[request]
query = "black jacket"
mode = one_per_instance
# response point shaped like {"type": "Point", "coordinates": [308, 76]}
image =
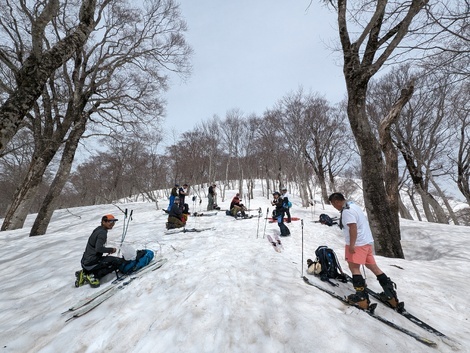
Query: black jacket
{"type": "Point", "coordinates": [95, 248]}
{"type": "Point", "coordinates": [176, 211]}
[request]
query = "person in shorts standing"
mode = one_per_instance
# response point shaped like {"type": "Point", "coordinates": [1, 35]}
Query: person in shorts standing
{"type": "Point", "coordinates": [358, 251]}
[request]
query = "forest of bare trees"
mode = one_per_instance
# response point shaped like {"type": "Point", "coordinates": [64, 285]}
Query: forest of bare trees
{"type": "Point", "coordinates": [100, 71]}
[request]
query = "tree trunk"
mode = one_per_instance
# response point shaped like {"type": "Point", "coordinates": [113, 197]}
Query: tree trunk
{"type": "Point", "coordinates": [38, 67]}
{"type": "Point", "coordinates": [382, 217]}
{"type": "Point", "coordinates": [404, 212]}
{"type": "Point", "coordinates": [27, 191]}
{"type": "Point", "coordinates": [415, 207]}
{"type": "Point", "coordinates": [49, 204]}
{"type": "Point", "coordinates": [320, 173]}
{"type": "Point", "coordinates": [391, 153]}
{"type": "Point", "coordinates": [446, 202]}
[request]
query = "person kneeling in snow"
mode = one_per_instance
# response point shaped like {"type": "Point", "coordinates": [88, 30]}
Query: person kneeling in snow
{"type": "Point", "coordinates": [236, 206]}
{"type": "Point", "coordinates": [94, 264]}
{"type": "Point", "coordinates": [176, 219]}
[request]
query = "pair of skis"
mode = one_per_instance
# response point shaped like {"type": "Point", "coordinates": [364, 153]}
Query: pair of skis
{"type": "Point", "coordinates": [89, 303]}
{"type": "Point", "coordinates": [275, 242]}
{"type": "Point", "coordinates": [371, 312]}
{"type": "Point", "coordinates": [187, 230]}
{"type": "Point", "coordinates": [400, 309]}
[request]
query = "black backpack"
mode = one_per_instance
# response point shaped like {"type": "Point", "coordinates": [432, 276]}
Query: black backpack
{"type": "Point", "coordinates": [330, 267]}
{"type": "Point", "coordinates": [325, 219]}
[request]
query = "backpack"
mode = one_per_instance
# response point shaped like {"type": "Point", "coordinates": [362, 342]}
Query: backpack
{"type": "Point", "coordinates": [325, 219]}
{"type": "Point", "coordinates": [143, 258]}
{"type": "Point", "coordinates": [327, 265]}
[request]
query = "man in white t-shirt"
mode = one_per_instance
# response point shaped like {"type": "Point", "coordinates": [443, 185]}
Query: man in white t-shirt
{"type": "Point", "coordinates": [358, 251]}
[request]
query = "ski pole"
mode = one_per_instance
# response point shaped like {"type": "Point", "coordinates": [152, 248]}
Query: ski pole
{"type": "Point", "coordinates": [123, 230]}
{"type": "Point", "coordinates": [124, 225]}
{"type": "Point", "coordinates": [302, 223]}
{"type": "Point", "coordinates": [127, 227]}
{"type": "Point", "coordinates": [259, 216]}
{"type": "Point", "coordinates": [265, 222]}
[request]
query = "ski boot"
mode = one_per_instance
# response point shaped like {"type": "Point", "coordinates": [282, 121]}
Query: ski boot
{"type": "Point", "coordinates": [389, 295]}
{"type": "Point", "coordinates": [80, 278]}
{"type": "Point", "coordinates": [92, 280]}
{"type": "Point", "coordinates": [360, 298]}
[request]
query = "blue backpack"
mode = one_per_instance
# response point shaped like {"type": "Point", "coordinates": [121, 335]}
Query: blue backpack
{"type": "Point", "coordinates": [142, 259]}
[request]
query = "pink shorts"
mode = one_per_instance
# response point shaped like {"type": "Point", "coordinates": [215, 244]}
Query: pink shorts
{"type": "Point", "coordinates": [362, 256]}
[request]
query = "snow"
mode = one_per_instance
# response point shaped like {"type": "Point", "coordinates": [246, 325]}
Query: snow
{"type": "Point", "coordinates": [225, 289]}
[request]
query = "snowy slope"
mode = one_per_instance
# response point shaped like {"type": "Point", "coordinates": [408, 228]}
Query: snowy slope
{"type": "Point", "coordinates": [224, 290]}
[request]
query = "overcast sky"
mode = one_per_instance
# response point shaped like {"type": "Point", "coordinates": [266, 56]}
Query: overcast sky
{"type": "Point", "coordinates": [250, 53]}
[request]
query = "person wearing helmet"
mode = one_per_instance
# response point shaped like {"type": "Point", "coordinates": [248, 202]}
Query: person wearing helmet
{"type": "Point", "coordinates": [94, 264]}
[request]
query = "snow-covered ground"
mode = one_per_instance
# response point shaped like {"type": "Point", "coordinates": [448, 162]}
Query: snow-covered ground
{"type": "Point", "coordinates": [225, 289]}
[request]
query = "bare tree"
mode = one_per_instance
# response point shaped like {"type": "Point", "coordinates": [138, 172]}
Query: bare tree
{"type": "Point", "coordinates": [31, 61]}
{"type": "Point", "coordinates": [461, 110]}
{"type": "Point", "coordinates": [115, 82]}
{"type": "Point", "coordinates": [381, 26]}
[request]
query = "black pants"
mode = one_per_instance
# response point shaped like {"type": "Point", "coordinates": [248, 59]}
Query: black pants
{"type": "Point", "coordinates": [107, 264]}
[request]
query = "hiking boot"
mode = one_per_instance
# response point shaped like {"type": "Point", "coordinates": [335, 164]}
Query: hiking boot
{"type": "Point", "coordinates": [94, 282]}
{"type": "Point", "coordinates": [80, 278]}
{"type": "Point", "coordinates": [360, 298]}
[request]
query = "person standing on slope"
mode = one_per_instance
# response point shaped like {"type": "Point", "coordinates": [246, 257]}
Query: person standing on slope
{"type": "Point", "coordinates": [285, 196]}
{"type": "Point", "coordinates": [211, 197]}
{"type": "Point", "coordinates": [173, 194]}
{"type": "Point", "coordinates": [279, 213]}
{"type": "Point", "coordinates": [358, 251]}
{"type": "Point", "coordinates": [182, 192]}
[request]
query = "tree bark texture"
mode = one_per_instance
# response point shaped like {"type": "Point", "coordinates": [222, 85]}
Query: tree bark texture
{"type": "Point", "coordinates": [50, 201]}
{"type": "Point", "coordinates": [362, 59]}
{"type": "Point", "coordinates": [37, 69]}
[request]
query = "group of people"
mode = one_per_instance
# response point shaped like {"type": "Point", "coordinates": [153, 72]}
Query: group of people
{"type": "Point", "coordinates": [353, 222]}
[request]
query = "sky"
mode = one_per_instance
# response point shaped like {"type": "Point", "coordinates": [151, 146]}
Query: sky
{"type": "Point", "coordinates": [225, 289]}
{"type": "Point", "coordinates": [250, 54]}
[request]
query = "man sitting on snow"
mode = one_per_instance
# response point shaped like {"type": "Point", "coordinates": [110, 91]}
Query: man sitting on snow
{"type": "Point", "coordinates": [236, 206]}
{"type": "Point", "coordinates": [94, 264]}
